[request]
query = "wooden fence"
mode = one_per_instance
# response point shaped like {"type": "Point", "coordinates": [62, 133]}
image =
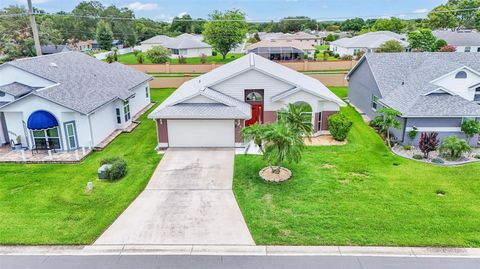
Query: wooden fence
{"type": "Point", "coordinates": [175, 82]}
{"type": "Point", "coordinates": [204, 68]}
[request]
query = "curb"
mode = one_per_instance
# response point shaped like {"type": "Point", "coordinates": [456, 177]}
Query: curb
{"type": "Point", "coordinates": [242, 250]}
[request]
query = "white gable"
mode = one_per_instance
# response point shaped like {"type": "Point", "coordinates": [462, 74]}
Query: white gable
{"type": "Point", "coordinates": [460, 86]}
{"type": "Point", "coordinates": [10, 74]}
{"type": "Point", "coordinates": [199, 99]}
{"type": "Point", "coordinates": [253, 80]}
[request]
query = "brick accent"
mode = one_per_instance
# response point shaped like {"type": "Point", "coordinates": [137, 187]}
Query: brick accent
{"type": "Point", "coordinates": [325, 115]}
{"type": "Point", "coordinates": [238, 131]}
{"type": "Point", "coordinates": [162, 131]}
{"type": "Point", "coordinates": [269, 116]}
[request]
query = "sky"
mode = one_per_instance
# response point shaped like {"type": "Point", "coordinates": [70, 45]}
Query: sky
{"type": "Point", "coordinates": [256, 10]}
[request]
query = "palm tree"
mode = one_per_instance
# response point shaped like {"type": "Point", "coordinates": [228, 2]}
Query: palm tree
{"type": "Point", "coordinates": [387, 119]}
{"type": "Point", "coordinates": [255, 132]}
{"type": "Point", "coordinates": [282, 144]}
{"type": "Point", "coordinates": [296, 119]}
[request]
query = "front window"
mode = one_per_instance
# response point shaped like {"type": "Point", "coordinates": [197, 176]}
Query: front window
{"type": "Point", "coordinates": [477, 95]}
{"type": "Point", "coordinates": [47, 138]}
{"type": "Point", "coordinates": [467, 49]}
{"type": "Point", "coordinates": [119, 117]}
{"type": "Point", "coordinates": [146, 92]}
{"type": "Point", "coordinates": [126, 110]}
{"type": "Point", "coordinates": [319, 124]}
{"type": "Point", "coordinates": [461, 75]}
{"type": "Point", "coordinates": [374, 102]}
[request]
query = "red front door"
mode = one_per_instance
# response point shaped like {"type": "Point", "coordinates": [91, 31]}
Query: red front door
{"type": "Point", "coordinates": [257, 115]}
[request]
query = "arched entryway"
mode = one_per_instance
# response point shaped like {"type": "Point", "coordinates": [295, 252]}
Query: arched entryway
{"type": "Point", "coordinates": [45, 130]}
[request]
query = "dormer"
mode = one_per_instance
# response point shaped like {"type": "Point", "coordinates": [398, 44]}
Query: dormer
{"type": "Point", "coordinates": [460, 82]}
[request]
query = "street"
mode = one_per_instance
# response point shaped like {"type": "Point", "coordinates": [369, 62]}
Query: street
{"type": "Point", "coordinates": [213, 262]}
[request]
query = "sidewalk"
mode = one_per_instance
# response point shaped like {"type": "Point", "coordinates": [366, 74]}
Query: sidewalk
{"type": "Point", "coordinates": [242, 250]}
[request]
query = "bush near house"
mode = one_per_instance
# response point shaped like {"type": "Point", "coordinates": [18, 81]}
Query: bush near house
{"type": "Point", "coordinates": [158, 55]}
{"type": "Point", "coordinates": [428, 143]}
{"type": "Point", "coordinates": [452, 147]}
{"type": "Point", "coordinates": [339, 126]}
{"type": "Point", "coordinates": [118, 167]}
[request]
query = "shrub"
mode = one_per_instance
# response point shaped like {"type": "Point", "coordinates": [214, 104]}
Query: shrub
{"type": "Point", "coordinates": [118, 168]}
{"type": "Point", "coordinates": [140, 58]}
{"type": "Point", "coordinates": [417, 157]}
{"type": "Point", "coordinates": [470, 128]}
{"type": "Point", "coordinates": [428, 143]}
{"type": "Point", "coordinates": [412, 134]}
{"type": "Point", "coordinates": [135, 52]}
{"type": "Point", "coordinates": [203, 58]}
{"type": "Point", "coordinates": [339, 126]}
{"type": "Point", "coordinates": [109, 59]}
{"type": "Point", "coordinates": [406, 147]}
{"type": "Point", "coordinates": [347, 57]}
{"type": "Point", "coordinates": [336, 55]}
{"type": "Point", "coordinates": [214, 53]}
{"type": "Point", "coordinates": [182, 60]}
{"type": "Point", "coordinates": [452, 147]}
{"type": "Point", "coordinates": [359, 54]}
{"type": "Point", "coordinates": [477, 156]}
{"type": "Point", "coordinates": [158, 55]}
{"type": "Point", "coordinates": [448, 48]}
{"type": "Point", "coordinates": [438, 160]}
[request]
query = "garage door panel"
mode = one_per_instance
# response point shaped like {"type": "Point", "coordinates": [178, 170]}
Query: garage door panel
{"type": "Point", "coordinates": [201, 133]}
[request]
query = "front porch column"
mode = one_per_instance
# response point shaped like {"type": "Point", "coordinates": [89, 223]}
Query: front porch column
{"type": "Point", "coordinates": [239, 124]}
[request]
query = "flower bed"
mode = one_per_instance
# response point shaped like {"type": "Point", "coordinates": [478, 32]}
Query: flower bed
{"type": "Point", "coordinates": [435, 156]}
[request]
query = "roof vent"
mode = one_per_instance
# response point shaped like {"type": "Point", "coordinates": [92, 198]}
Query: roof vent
{"type": "Point", "coordinates": [403, 82]}
{"type": "Point", "coordinates": [53, 65]}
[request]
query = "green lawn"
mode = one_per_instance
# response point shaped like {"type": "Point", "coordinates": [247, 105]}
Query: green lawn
{"type": "Point", "coordinates": [48, 204]}
{"type": "Point", "coordinates": [130, 58]}
{"type": "Point", "coordinates": [361, 194]}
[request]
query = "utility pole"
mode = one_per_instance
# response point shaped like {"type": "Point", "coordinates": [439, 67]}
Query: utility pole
{"type": "Point", "coordinates": [33, 23]}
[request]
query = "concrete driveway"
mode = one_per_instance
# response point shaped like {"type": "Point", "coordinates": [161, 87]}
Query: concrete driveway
{"type": "Point", "coordinates": [188, 201]}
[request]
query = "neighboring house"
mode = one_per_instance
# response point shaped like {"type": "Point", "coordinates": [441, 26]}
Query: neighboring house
{"type": "Point", "coordinates": [369, 42]}
{"type": "Point", "coordinates": [51, 49]}
{"type": "Point", "coordinates": [311, 39]}
{"type": "Point", "coordinates": [434, 92]}
{"type": "Point", "coordinates": [282, 50]}
{"type": "Point", "coordinates": [115, 44]}
{"type": "Point", "coordinates": [82, 45]}
{"type": "Point", "coordinates": [68, 100]}
{"type": "Point", "coordinates": [185, 45]}
{"type": "Point", "coordinates": [463, 41]}
{"type": "Point", "coordinates": [211, 110]}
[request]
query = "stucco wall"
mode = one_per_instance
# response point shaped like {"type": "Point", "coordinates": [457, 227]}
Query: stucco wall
{"type": "Point", "coordinates": [104, 122]}
{"type": "Point", "coordinates": [141, 100]}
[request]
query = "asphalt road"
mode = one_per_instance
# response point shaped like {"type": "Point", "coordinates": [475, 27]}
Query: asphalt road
{"type": "Point", "coordinates": [248, 262]}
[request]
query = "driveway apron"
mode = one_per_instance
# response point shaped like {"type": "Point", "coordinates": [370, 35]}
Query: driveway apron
{"type": "Point", "coordinates": [188, 201]}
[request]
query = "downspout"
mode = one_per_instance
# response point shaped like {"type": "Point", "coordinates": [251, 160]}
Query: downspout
{"type": "Point", "coordinates": [404, 130]}
{"type": "Point", "coordinates": [91, 131]}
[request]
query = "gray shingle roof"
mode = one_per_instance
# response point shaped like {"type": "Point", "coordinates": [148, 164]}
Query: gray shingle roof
{"type": "Point", "coordinates": [183, 41]}
{"type": "Point", "coordinates": [83, 82]}
{"type": "Point", "coordinates": [16, 89]}
{"type": "Point", "coordinates": [370, 40]}
{"type": "Point", "coordinates": [49, 49]}
{"type": "Point", "coordinates": [404, 79]}
{"type": "Point", "coordinates": [459, 38]}
{"type": "Point", "coordinates": [200, 111]}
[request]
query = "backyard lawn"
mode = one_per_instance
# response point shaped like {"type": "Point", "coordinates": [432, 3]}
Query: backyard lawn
{"type": "Point", "coordinates": [361, 194]}
{"type": "Point", "coordinates": [130, 58]}
{"type": "Point", "coordinates": [48, 204]}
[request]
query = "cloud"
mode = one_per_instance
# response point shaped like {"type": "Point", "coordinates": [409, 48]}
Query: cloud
{"type": "Point", "coordinates": [181, 14]}
{"type": "Point", "coordinates": [137, 6]}
{"type": "Point", "coordinates": [420, 11]}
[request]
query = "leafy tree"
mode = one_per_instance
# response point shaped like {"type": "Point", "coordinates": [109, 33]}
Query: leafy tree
{"type": "Point", "coordinates": [225, 34]}
{"type": "Point", "coordinates": [84, 28]}
{"type": "Point", "coordinates": [353, 25]}
{"type": "Point", "coordinates": [183, 24]}
{"type": "Point", "coordinates": [452, 147]}
{"type": "Point", "coordinates": [339, 126]}
{"type": "Point", "coordinates": [422, 40]}
{"type": "Point", "coordinates": [467, 13]}
{"type": "Point", "coordinates": [333, 28]}
{"type": "Point", "coordinates": [331, 38]}
{"type": "Point", "coordinates": [15, 35]}
{"type": "Point", "coordinates": [387, 119]}
{"type": "Point", "coordinates": [393, 24]}
{"type": "Point", "coordinates": [428, 142]}
{"type": "Point", "coordinates": [281, 144]}
{"type": "Point", "coordinates": [104, 35]}
{"type": "Point", "coordinates": [158, 55]}
{"type": "Point", "coordinates": [295, 24]}
{"type": "Point", "coordinates": [391, 46]}
{"type": "Point", "coordinates": [470, 128]}
{"type": "Point", "coordinates": [447, 48]}
{"type": "Point", "coordinates": [439, 18]}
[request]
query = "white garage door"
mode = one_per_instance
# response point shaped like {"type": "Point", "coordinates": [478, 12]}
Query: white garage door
{"type": "Point", "coordinates": [201, 133]}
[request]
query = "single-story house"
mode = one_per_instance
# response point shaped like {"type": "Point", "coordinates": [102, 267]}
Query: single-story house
{"type": "Point", "coordinates": [211, 110]}
{"type": "Point", "coordinates": [115, 44]}
{"type": "Point", "coordinates": [435, 92]}
{"type": "Point", "coordinates": [185, 45]}
{"type": "Point", "coordinates": [311, 39]}
{"type": "Point", "coordinates": [282, 50]}
{"type": "Point", "coordinates": [369, 42]}
{"type": "Point", "coordinates": [462, 40]}
{"type": "Point", "coordinates": [68, 100]}
{"type": "Point", "coordinates": [50, 49]}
